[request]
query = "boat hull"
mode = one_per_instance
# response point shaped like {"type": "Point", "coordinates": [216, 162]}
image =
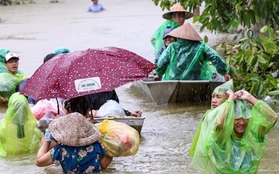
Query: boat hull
{"type": "Point", "coordinates": [176, 91]}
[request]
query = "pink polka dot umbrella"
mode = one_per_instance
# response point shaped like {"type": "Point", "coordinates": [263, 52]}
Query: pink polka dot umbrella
{"type": "Point", "coordinates": [85, 72]}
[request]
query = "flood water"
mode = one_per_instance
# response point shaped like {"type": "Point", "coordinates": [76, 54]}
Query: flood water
{"type": "Point", "coordinates": [34, 30]}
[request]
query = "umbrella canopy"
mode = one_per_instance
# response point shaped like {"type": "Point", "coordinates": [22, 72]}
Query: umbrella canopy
{"type": "Point", "coordinates": [85, 72]}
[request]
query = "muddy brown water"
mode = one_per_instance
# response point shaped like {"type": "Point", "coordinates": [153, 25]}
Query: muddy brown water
{"type": "Point", "coordinates": [34, 30]}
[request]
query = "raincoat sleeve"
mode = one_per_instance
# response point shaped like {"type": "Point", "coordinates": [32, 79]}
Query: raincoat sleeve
{"type": "Point", "coordinates": [196, 136]}
{"type": "Point", "coordinates": [216, 60]}
{"type": "Point", "coordinates": [221, 122]}
{"type": "Point", "coordinates": [157, 38]}
{"type": "Point", "coordinates": [264, 119]}
{"type": "Point", "coordinates": [165, 59]}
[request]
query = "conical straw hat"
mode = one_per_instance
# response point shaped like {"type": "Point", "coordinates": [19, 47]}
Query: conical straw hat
{"type": "Point", "coordinates": [177, 8]}
{"type": "Point", "coordinates": [185, 31]}
{"type": "Point", "coordinates": [74, 130]}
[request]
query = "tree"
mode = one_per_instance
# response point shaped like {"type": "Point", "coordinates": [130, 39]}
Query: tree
{"type": "Point", "coordinates": [230, 14]}
{"type": "Point", "coordinates": [253, 59]}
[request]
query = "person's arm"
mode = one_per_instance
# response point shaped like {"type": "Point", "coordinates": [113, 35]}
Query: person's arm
{"type": "Point", "coordinates": [261, 111]}
{"type": "Point", "coordinates": [225, 118]}
{"type": "Point", "coordinates": [3, 100]}
{"type": "Point", "coordinates": [103, 8]}
{"type": "Point", "coordinates": [222, 116]}
{"type": "Point", "coordinates": [136, 113]}
{"type": "Point", "coordinates": [244, 95]}
{"type": "Point", "coordinates": [164, 61]}
{"type": "Point", "coordinates": [105, 161]}
{"type": "Point", "coordinates": [89, 8]}
{"type": "Point", "coordinates": [127, 112]}
{"type": "Point", "coordinates": [216, 60]}
{"type": "Point", "coordinates": [43, 155]}
{"type": "Point", "coordinates": [31, 101]}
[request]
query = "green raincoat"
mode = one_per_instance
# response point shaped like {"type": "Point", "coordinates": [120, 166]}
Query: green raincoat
{"type": "Point", "coordinates": [187, 60]}
{"type": "Point", "coordinates": [220, 151]}
{"type": "Point", "coordinates": [157, 38]}
{"type": "Point", "coordinates": [8, 84]}
{"type": "Point", "coordinates": [3, 52]}
{"type": "Point", "coordinates": [18, 132]}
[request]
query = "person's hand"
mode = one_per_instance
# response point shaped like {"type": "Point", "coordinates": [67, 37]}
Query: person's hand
{"type": "Point", "coordinates": [231, 95]}
{"type": "Point", "coordinates": [156, 78]}
{"type": "Point", "coordinates": [227, 77]}
{"type": "Point", "coordinates": [3, 100]}
{"type": "Point", "coordinates": [48, 136]}
{"type": "Point", "coordinates": [244, 95]}
{"type": "Point", "coordinates": [136, 113]}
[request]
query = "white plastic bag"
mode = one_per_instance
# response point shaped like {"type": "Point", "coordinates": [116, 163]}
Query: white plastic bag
{"type": "Point", "coordinates": [111, 107]}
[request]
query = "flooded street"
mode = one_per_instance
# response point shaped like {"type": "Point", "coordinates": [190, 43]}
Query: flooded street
{"type": "Point", "coordinates": [35, 30]}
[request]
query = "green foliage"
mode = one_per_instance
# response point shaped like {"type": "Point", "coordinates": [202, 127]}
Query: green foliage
{"type": "Point", "coordinates": [253, 60]}
{"type": "Point", "coordinates": [220, 15]}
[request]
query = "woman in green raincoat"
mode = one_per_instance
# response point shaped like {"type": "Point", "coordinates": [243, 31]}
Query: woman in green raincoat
{"type": "Point", "coordinates": [233, 138]}
{"type": "Point", "coordinates": [187, 58]}
{"type": "Point", "coordinates": [175, 18]}
{"type": "Point", "coordinates": [18, 132]}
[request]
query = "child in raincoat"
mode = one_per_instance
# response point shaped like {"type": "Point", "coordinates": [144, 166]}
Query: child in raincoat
{"type": "Point", "coordinates": [18, 132]}
{"type": "Point", "coordinates": [233, 137]}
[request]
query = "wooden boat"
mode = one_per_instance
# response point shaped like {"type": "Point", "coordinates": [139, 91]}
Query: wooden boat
{"type": "Point", "coordinates": [134, 122]}
{"type": "Point", "coordinates": [176, 91]}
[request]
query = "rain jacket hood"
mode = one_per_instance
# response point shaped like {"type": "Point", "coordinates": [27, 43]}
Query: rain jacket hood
{"type": "Point", "coordinates": [18, 132]}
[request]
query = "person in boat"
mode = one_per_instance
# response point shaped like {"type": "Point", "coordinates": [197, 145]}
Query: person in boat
{"type": "Point", "coordinates": [167, 40]}
{"type": "Point", "coordinates": [233, 137]}
{"type": "Point", "coordinates": [187, 58]}
{"type": "Point", "coordinates": [76, 146]}
{"type": "Point", "coordinates": [174, 18]}
{"type": "Point", "coordinates": [219, 96]}
{"type": "Point", "coordinates": [18, 132]}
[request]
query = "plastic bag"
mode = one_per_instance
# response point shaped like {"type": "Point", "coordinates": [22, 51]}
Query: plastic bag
{"type": "Point", "coordinates": [43, 123]}
{"type": "Point", "coordinates": [111, 107]}
{"type": "Point", "coordinates": [41, 108]}
{"type": "Point", "coordinates": [8, 84]}
{"type": "Point", "coordinates": [119, 139]}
